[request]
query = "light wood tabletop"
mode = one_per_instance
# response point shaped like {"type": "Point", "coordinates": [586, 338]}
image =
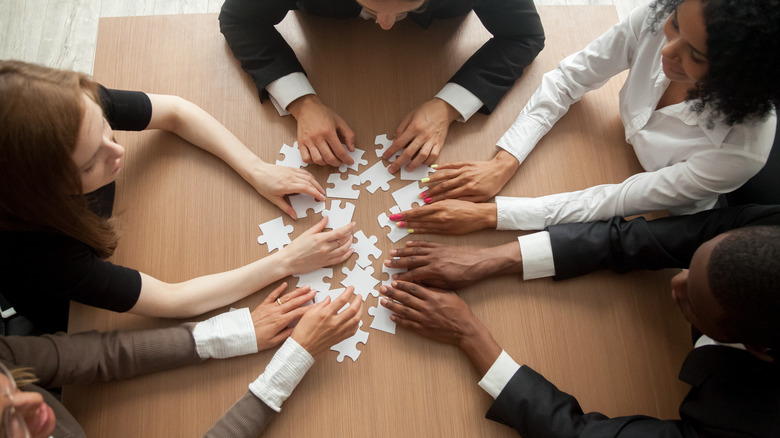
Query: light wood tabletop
{"type": "Point", "coordinates": [616, 342]}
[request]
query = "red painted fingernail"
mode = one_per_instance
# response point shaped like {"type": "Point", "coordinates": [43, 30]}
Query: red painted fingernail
{"type": "Point", "coordinates": [421, 195]}
{"type": "Point", "coordinates": [395, 217]}
{"type": "Point", "coordinates": [428, 200]}
{"type": "Point", "coordinates": [399, 224]}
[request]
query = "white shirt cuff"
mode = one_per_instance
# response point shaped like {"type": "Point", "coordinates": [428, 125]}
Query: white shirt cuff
{"type": "Point", "coordinates": [499, 374]}
{"type": "Point", "coordinates": [286, 89]}
{"type": "Point", "coordinates": [519, 213]}
{"type": "Point", "coordinates": [463, 100]}
{"type": "Point", "coordinates": [536, 250]}
{"type": "Point", "coordinates": [282, 375]}
{"type": "Point", "coordinates": [521, 138]}
{"type": "Point", "coordinates": [227, 335]}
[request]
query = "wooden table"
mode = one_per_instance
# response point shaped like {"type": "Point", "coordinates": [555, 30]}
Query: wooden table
{"type": "Point", "coordinates": [615, 342]}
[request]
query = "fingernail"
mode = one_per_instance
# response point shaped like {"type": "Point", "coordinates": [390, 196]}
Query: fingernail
{"type": "Point", "coordinates": [422, 195]}
{"type": "Point", "coordinates": [395, 217]}
{"type": "Point", "coordinates": [425, 180]}
{"type": "Point", "coordinates": [399, 224]}
{"type": "Point", "coordinates": [410, 231]}
{"type": "Point", "coordinates": [434, 166]}
{"type": "Point", "coordinates": [428, 200]}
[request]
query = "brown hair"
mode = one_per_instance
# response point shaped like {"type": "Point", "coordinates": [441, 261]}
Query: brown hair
{"type": "Point", "coordinates": [41, 110]}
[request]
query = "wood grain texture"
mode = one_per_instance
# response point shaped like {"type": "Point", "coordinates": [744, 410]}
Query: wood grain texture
{"type": "Point", "coordinates": [615, 342]}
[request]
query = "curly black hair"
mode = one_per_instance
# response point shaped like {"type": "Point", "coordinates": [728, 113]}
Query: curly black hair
{"type": "Point", "coordinates": [743, 51]}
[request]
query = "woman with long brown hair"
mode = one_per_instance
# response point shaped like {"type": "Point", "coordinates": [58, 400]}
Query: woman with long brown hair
{"type": "Point", "coordinates": [59, 160]}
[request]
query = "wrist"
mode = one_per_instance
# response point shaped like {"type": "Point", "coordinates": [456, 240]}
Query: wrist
{"type": "Point", "coordinates": [488, 213]}
{"type": "Point", "coordinates": [451, 113]}
{"type": "Point", "coordinates": [480, 347]}
{"type": "Point", "coordinates": [299, 105]}
{"type": "Point", "coordinates": [503, 260]}
{"type": "Point", "coordinates": [505, 162]}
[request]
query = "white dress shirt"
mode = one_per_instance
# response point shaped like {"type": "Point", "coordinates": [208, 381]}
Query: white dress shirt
{"type": "Point", "coordinates": [686, 164]}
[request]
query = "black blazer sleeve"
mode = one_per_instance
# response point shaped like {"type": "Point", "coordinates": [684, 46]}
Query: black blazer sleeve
{"type": "Point", "coordinates": [669, 242]}
{"type": "Point", "coordinates": [534, 407]}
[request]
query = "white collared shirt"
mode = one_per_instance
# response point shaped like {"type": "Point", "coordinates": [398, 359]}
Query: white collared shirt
{"type": "Point", "coordinates": [686, 164]}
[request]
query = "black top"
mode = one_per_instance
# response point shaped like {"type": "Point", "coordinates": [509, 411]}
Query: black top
{"type": "Point", "coordinates": [43, 270]}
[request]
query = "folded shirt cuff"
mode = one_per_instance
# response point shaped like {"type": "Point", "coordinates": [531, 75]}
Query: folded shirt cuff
{"type": "Point", "coordinates": [536, 250]}
{"type": "Point", "coordinates": [282, 375]}
{"type": "Point", "coordinates": [519, 213]}
{"type": "Point", "coordinates": [227, 335]}
{"type": "Point", "coordinates": [463, 100]}
{"type": "Point", "coordinates": [286, 89]}
{"type": "Point", "coordinates": [499, 374]}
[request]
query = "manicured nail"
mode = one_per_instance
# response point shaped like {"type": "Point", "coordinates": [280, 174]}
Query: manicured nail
{"type": "Point", "coordinates": [428, 200]}
{"type": "Point", "coordinates": [410, 231]}
{"type": "Point", "coordinates": [395, 217]}
{"type": "Point", "coordinates": [399, 224]}
{"type": "Point", "coordinates": [425, 180]}
{"type": "Point", "coordinates": [422, 195]}
{"type": "Point", "coordinates": [434, 166]}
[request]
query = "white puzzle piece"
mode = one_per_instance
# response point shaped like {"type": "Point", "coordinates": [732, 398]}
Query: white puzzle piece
{"type": "Point", "coordinates": [378, 176]}
{"type": "Point", "coordinates": [382, 319]}
{"type": "Point", "coordinates": [303, 202]}
{"type": "Point", "coordinates": [417, 174]}
{"type": "Point", "coordinates": [390, 272]}
{"type": "Point", "coordinates": [357, 158]}
{"type": "Point", "coordinates": [275, 234]}
{"type": "Point", "coordinates": [333, 294]}
{"type": "Point", "coordinates": [407, 196]}
{"type": "Point", "coordinates": [385, 143]}
{"type": "Point", "coordinates": [365, 247]}
{"type": "Point", "coordinates": [348, 347]}
{"type": "Point", "coordinates": [362, 280]}
{"type": "Point", "coordinates": [292, 157]}
{"type": "Point", "coordinates": [342, 188]}
{"type": "Point", "coordinates": [337, 215]}
{"type": "Point", "coordinates": [395, 233]}
{"type": "Point", "coordinates": [315, 279]}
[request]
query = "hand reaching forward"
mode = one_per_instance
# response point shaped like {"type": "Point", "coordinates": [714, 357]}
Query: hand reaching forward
{"type": "Point", "coordinates": [320, 132]}
{"type": "Point", "coordinates": [447, 217]}
{"type": "Point", "coordinates": [316, 248]}
{"type": "Point", "coordinates": [323, 326]}
{"type": "Point", "coordinates": [422, 132]}
{"type": "Point", "coordinates": [273, 182]}
{"type": "Point", "coordinates": [272, 320]}
{"type": "Point", "coordinates": [475, 181]}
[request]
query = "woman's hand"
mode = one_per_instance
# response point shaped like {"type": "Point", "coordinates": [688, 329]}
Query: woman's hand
{"type": "Point", "coordinates": [272, 320]}
{"type": "Point", "coordinates": [447, 217]}
{"type": "Point", "coordinates": [475, 181]}
{"type": "Point", "coordinates": [323, 326]}
{"type": "Point", "coordinates": [316, 248]}
{"type": "Point", "coordinates": [273, 182]}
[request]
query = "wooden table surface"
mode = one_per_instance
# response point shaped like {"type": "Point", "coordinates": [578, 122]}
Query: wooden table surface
{"type": "Point", "coordinates": [615, 342]}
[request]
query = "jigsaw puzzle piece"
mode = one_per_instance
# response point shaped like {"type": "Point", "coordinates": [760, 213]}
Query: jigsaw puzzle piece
{"type": "Point", "coordinates": [395, 233]}
{"type": "Point", "coordinates": [362, 279]}
{"type": "Point", "coordinates": [407, 196]}
{"type": "Point", "coordinates": [385, 143]}
{"type": "Point", "coordinates": [365, 247]}
{"type": "Point", "coordinates": [302, 202]}
{"type": "Point", "coordinates": [342, 188]}
{"type": "Point", "coordinates": [275, 234]}
{"type": "Point", "coordinates": [292, 157]}
{"type": "Point", "coordinates": [315, 279]}
{"type": "Point", "coordinates": [348, 347]}
{"type": "Point", "coordinates": [378, 176]}
{"type": "Point", "coordinates": [339, 216]}
{"type": "Point", "coordinates": [390, 272]}
{"type": "Point", "coordinates": [382, 319]}
{"type": "Point", "coordinates": [357, 158]}
{"type": "Point", "coordinates": [416, 174]}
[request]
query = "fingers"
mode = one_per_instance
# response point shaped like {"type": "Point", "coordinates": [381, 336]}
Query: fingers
{"type": "Point", "coordinates": [345, 132]}
{"type": "Point", "coordinates": [318, 227]}
{"type": "Point", "coordinates": [284, 206]}
{"type": "Point", "coordinates": [275, 293]}
{"type": "Point", "coordinates": [424, 154]}
{"type": "Point", "coordinates": [327, 150]}
{"type": "Point", "coordinates": [338, 149]}
{"type": "Point", "coordinates": [397, 303]}
{"type": "Point", "coordinates": [342, 299]}
{"type": "Point", "coordinates": [402, 138]}
{"type": "Point", "coordinates": [294, 300]}
{"type": "Point", "coordinates": [305, 155]}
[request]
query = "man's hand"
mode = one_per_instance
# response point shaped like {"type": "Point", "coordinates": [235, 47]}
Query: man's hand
{"type": "Point", "coordinates": [272, 320]}
{"type": "Point", "coordinates": [447, 217]}
{"type": "Point", "coordinates": [475, 181]}
{"type": "Point", "coordinates": [422, 132]}
{"type": "Point", "coordinates": [321, 132]}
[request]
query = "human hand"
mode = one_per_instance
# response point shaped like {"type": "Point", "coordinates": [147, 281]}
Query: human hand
{"type": "Point", "coordinates": [450, 216]}
{"type": "Point", "coordinates": [323, 326]}
{"type": "Point", "coordinates": [475, 181]}
{"type": "Point", "coordinates": [316, 248]}
{"type": "Point", "coordinates": [320, 132]}
{"type": "Point", "coordinates": [422, 132]}
{"type": "Point", "coordinates": [273, 182]}
{"type": "Point", "coordinates": [272, 320]}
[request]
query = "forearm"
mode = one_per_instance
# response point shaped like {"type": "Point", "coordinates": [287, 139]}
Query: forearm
{"type": "Point", "coordinates": [480, 347]}
{"type": "Point", "coordinates": [500, 260]}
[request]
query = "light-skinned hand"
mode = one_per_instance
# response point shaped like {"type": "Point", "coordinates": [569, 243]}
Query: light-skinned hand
{"type": "Point", "coordinates": [321, 132]}
{"type": "Point", "coordinates": [272, 320]}
{"type": "Point", "coordinates": [323, 326]}
{"type": "Point", "coordinates": [316, 248]}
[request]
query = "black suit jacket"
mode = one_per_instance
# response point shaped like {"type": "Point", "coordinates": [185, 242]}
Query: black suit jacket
{"type": "Point", "coordinates": [732, 394]}
{"type": "Point", "coordinates": [669, 242]}
{"type": "Point", "coordinates": [518, 36]}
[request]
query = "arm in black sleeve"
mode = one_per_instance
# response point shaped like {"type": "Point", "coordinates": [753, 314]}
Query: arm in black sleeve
{"type": "Point", "coordinates": [125, 110]}
{"type": "Point", "coordinates": [669, 242]}
{"type": "Point", "coordinates": [518, 36]}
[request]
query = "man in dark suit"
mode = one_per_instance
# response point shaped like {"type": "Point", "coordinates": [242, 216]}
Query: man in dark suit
{"type": "Point", "coordinates": [248, 27]}
{"type": "Point", "coordinates": [731, 293]}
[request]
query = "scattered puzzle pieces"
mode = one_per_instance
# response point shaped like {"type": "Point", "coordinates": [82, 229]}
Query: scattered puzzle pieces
{"type": "Point", "coordinates": [303, 202]}
{"type": "Point", "coordinates": [275, 234]}
{"type": "Point", "coordinates": [382, 319]}
{"type": "Point", "coordinates": [342, 188]}
{"type": "Point", "coordinates": [395, 233]}
{"type": "Point", "coordinates": [416, 174]}
{"type": "Point", "coordinates": [386, 143]}
{"type": "Point", "coordinates": [378, 176]}
{"type": "Point", "coordinates": [362, 280]}
{"type": "Point", "coordinates": [357, 158]}
{"type": "Point", "coordinates": [364, 247]}
{"type": "Point", "coordinates": [407, 196]}
{"type": "Point", "coordinates": [339, 216]}
{"type": "Point", "coordinates": [292, 157]}
{"type": "Point", "coordinates": [348, 347]}
{"type": "Point", "coordinates": [315, 279]}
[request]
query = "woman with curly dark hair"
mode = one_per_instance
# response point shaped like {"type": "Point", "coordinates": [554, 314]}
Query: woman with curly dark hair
{"type": "Point", "coordinates": [697, 106]}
